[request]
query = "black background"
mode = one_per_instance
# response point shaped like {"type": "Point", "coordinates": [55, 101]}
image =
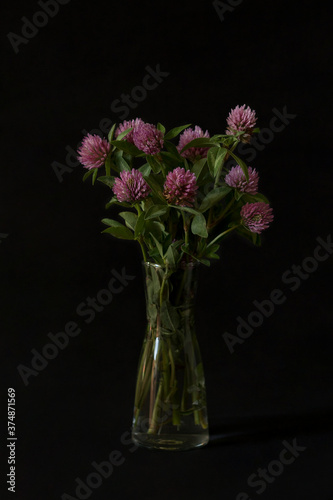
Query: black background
{"type": "Point", "coordinates": [277, 385]}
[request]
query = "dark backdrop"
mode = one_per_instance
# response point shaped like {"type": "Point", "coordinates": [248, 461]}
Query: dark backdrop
{"type": "Point", "coordinates": [65, 77]}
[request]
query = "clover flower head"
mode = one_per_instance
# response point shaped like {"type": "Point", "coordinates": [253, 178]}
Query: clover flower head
{"type": "Point", "coordinates": [125, 125]}
{"type": "Point", "coordinates": [180, 187]}
{"type": "Point", "coordinates": [236, 179]}
{"type": "Point", "coordinates": [256, 216]}
{"type": "Point", "coordinates": [148, 138]}
{"type": "Point", "coordinates": [131, 187]}
{"type": "Point", "coordinates": [187, 136]}
{"type": "Point", "coordinates": [241, 119]}
{"type": "Point", "coordinates": [93, 151]}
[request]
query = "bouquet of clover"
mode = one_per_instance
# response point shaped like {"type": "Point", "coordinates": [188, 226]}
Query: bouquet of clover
{"type": "Point", "coordinates": [179, 201]}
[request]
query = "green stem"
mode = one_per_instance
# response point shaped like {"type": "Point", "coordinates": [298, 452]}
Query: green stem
{"type": "Point", "coordinates": [223, 234]}
{"type": "Point", "coordinates": [140, 240]}
{"type": "Point", "coordinates": [210, 225]}
{"type": "Point", "coordinates": [153, 420]}
{"type": "Point", "coordinates": [185, 228]}
{"type": "Point", "coordinates": [187, 241]}
{"type": "Point", "coordinates": [143, 249]}
{"type": "Point", "coordinates": [138, 209]}
{"type": "Point", "coordinates": [159, 158]}
{"type": "Point", "coordinates": [165, 276]}
{"type": "Point", "coordinates": [143, 383]}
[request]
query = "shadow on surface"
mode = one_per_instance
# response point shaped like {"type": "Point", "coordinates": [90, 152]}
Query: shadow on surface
{"type": "Point", "coordinates": [262, 428]}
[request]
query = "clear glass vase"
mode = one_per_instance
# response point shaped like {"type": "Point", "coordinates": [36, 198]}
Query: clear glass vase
{"type": "Point", "coordinates": [170, 399]}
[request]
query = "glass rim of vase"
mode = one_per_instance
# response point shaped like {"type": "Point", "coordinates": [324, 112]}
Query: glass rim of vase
{"type": "Point", "coordinates": [183, 264]}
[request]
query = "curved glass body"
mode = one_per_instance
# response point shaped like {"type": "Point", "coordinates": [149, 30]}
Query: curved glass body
{"type": "Point", "coordinates": [170, 400]}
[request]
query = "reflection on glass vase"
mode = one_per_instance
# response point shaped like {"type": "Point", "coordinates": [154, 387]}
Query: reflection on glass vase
{"type": "Point", "coordinates": [170, 399]}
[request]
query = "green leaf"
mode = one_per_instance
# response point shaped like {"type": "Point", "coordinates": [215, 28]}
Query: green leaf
{"type": "Point", "coordinates": [169, 317]}
{"type": "Point", "coordinates": [130, 219]}
{"type": "Point", "coordinates": [238, 195]}
{"type": "Point", "coordinates": [185, 248]}
{"type": "Point", "coordinates": [88, 174]}
{"type": "Point", "coordinates": [186, 209]}
{"type": "Point", "coordinates": [210, 252]}
{"type": "Point", "coordinates": [156, 211]}
{"type": "Point", "coordinates": [215, 159]}
{"type": "Point", "coordinates": [261, 197]}
{"type": "Point", "coordinates": [156, 188]}
{"type": "Point", "coordinates": [145, 169]}
{"type": "Point", "coordinates": [172, 149]}
{"type": "Point", "coordinates": [121, 232]}
{"type": "Point", "coordinates": [120, 162]}
{"type": "Point", "coordinates": [128, 147]}
{"type": "Point", "coordinates": [112, 223]}
{"type": "Point", "coordinates": [201, 142]}
{"type": "Point", "coordinates": [175, 131]}
{"type": "Point", "coordinates": [198, 168]}
{"type": "Point", "coordinates": [155, 165]}
{"type": "Point", "coordinates": [213, 197]}
{"type": "Point", "coordinates": [220, 157]}
{"type": "Point", "coordinates": [253, 237]}
{"type": "Point", "coordinates": [107, 179]}
{"type": "Point", "coordinates": [161, 127]}
{"type": "Point", "coordinates": [198, 226]}
{"type": "Point", "coordinates": [114, 201]}
{"type": "Point", "coordinates": [170, 256]}
{"type": "Point", "coordinates": [111, 132]}
{"type": "Point", "coordinates": [124, 133]}
{"type": "Point", "coordinates": [211, 157]}
{"type": "Point", "coordinates": [170, 159]}
{"type": "Point", "coordinates": [154, 227]}
{"type": "Point", "coordinates": [140, 224]}
{"type": "Point", "coordinates": [158, 245]}
{"type": "Point", "coordinates": [253, 198]}
{"type": "Point", "coordinates": [94, 175]}
{"type": "Point", "coordinates": [146, 204]}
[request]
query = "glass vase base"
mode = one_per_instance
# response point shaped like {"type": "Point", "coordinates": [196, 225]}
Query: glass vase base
{"type": "Point", "coordinates": [178, 442]}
